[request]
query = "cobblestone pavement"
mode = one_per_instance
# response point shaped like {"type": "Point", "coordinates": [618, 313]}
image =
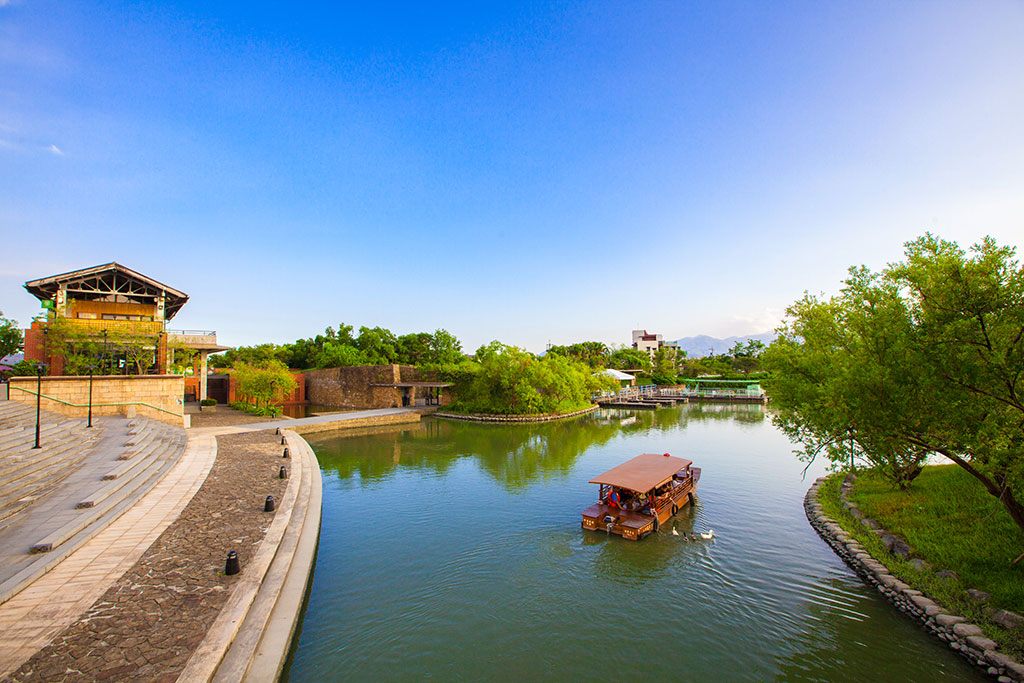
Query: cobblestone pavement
{"type": "Point", "coordinates": [147, 624]}
{"type": "Point", "coordinates": [225, 416]}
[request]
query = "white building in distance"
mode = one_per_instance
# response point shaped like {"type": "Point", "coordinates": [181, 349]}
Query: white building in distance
{"type": "Point", "coordinates": [650, 343]}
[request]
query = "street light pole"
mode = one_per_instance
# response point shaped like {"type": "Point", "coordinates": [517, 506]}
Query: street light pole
{"type": "Point", "coordinates": [39, 385]}
{"type": "Point", "coordinates": [91, 369]}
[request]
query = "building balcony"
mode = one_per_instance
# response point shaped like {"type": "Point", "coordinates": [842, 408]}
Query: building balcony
{"type": "Point", "coordinates": [98, 326]}
{"type": "Point", "coordinates": [201, 340]}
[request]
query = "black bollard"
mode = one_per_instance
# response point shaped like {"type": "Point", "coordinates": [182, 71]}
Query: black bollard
{"type": "Point", "coordinates": [283, 442]}
{"type": "Point", "coordinates": [277, 431]}
{"type": "Point", "coordinates": [286, 454]}
{"type": "Point", "coordinates": [269, 505]}
{"type": "Point", "coordinates": [231, 567]}
{"type": "Point", "coordinates": [283, 474]}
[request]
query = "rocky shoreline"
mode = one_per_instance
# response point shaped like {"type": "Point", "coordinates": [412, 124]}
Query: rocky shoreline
{"type": "Point", "coordinates": [966, 638]}
{"type": "Point", "coordinates": [478, 417]}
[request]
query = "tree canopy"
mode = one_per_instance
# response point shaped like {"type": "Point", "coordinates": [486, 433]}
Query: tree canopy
{"type": "Point", "coordinates": [10, 336]}
{"type": "Point", "coordinates": [512, 381]}
{"type": "Point", "coordinates": [263, 384]}
{"type": "Point", "coordinates": [337, 348]}
{"type": "Point", "coordinates": [926, 356]}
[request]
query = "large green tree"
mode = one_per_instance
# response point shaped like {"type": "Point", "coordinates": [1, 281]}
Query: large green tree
{"type": "Point", "coordinates": [10, 336]}
{"type": "Point", "coordinates": [926, 356]}
{"type": "Point", "coordinates": [515, 382]}
{"type": "Point", "coordinates": [264, 383]}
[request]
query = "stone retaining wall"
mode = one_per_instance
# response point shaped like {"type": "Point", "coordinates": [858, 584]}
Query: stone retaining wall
{"type": "Point", "coordinates": [967, 639]}
{"type": "Point", "coordinates": [515, 418]}
{"type": "Point", "coordinates": [165, 392]}
{"type": "Point", "coordinates": [401, 418]}
{"type": "Point", "coordinates": [350, 387]}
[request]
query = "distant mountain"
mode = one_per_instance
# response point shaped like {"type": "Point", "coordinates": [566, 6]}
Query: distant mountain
{"type": "Point", "coordinates": [703, 345]}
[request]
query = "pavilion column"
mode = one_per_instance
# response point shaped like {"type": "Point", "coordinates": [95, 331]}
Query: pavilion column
{"type": "Point", "coordinates": [202, 374]}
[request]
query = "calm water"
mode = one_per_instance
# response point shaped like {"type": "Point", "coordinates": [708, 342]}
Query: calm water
{"type": "Point", "coordinates": [453, 550]}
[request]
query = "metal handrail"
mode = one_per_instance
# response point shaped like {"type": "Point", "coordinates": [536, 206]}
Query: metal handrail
{"type": "Point", "coordinates": [194, 333]}
{"type": "Point", "coordinates": [94, 405]}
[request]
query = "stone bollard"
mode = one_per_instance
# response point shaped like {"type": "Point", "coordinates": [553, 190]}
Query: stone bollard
{"type": "Point", "coordinates": [232, 567]}
{"type": "Point", "coordinates": [283, 474]}
{"type": "Point", "coordinates": [286, 454]}
{"type": "Point", "coordinates": [269, 506]}
{"type": "Point", "coordinates": [283, 441]}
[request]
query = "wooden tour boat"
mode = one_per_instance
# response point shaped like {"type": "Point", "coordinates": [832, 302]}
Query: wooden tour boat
{"type": "Point", "coordinates": [641, 494]}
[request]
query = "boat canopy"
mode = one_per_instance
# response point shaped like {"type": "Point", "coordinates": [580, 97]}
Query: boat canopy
{"type": "Point", "coordinates": [643, 473]}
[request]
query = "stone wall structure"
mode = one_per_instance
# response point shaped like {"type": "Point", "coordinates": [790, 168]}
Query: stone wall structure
{"type": "Point", "coordinates": [967, 639]}
{"type": "Point", "coordinates": [154, 396]}
{"type": "Point", "coordinates": [350, 387]}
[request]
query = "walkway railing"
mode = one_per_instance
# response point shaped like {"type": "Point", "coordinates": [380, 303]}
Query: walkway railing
{"type": "Point", "coordinates": [194, 333]}
{"type": "Point", "coordinates": [640, 392]}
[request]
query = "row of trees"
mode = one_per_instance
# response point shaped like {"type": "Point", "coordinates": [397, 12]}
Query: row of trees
{"type": "Point", "coordinates": [926, 356]}
{"type": "Point", "coordinates": [341, 347]}
{"type": "Point", "coordinates": [669, 365]}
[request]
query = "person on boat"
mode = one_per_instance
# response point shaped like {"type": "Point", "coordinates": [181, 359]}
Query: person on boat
{"type": "Point", "coordinates": [614, 499]}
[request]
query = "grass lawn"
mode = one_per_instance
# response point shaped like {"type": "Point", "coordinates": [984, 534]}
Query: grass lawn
{"type": "Point", "coordinates": [953, 523]}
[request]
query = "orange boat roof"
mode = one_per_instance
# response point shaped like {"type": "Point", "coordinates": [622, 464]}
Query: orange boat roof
{"type": "Point", "coordinates": [644, 472]}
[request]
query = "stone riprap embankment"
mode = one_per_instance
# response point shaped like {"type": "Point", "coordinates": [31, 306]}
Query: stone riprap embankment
{"type": "Point", "coordinates": [515, 418]}
{"type": "Point", "coordinates": [966, 638]}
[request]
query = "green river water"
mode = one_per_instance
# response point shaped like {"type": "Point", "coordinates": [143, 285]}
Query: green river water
{"type": "Point", "coordinates": [453, 550]}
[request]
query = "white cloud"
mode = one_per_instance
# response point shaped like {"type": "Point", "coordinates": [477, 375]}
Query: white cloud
{"type": "Point", "coordinates": [756, 322]}
{"type": "Point", "coordinates": [53, 149]}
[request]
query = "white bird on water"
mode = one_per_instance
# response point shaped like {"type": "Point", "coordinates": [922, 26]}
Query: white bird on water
{"type": "Point", "coordinates": [674, 532]}
{"type": "Point", "coordinates": [709, 535]}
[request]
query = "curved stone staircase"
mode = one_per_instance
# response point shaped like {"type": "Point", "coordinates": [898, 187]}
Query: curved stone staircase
{"type": "Point", "coordinates": [55, 498]}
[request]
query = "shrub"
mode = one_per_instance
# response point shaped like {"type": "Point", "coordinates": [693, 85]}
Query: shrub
{"type": "Point", "coordinates": [208, 402]}
{"type": "Point", "coordinates": [265, 411]}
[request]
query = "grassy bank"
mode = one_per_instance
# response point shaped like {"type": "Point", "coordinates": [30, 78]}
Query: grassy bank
{"type": "Point", "coordinates": [951, 523]}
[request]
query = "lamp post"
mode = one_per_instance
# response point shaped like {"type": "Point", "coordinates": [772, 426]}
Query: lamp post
{"type": "Point", "coordinates": [39, 384]}
{"type": "Point", "coordinates": [106, 351]}
{"type": "Point", "coordinates": [91, 369]}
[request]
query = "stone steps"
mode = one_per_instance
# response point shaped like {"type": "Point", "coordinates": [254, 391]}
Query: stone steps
{"type": "Point", "coordinates": [50, 549]}
{"type": "Point", "coordinates": [14, 409]}
{"type": "Point", "coordinates": [123, 475]}
{"type": "Point", "coordinates": [142, 439]}
{"type": "Point", "coordinates": [28, 477]}
{"type": "Point", "coordinates": [23, 438]}
{"type": "Point", "coordinates": [105, 502]}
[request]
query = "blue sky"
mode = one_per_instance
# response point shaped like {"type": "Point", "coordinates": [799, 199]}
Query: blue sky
{"type": "Point", "coordinates": [528, 172]}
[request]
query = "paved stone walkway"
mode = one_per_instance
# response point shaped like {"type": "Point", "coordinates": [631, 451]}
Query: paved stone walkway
{"type": "Point", "coordinates": [66, 602]}
{"type": "Point", "coordinates": [301, 421]}
{"type": "Point", "coordinates": [32, 618]}
{"type": "Point", "coordinates": [148, 623]}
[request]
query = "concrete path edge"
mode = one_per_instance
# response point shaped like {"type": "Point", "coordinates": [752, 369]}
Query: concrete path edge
{"type": "Point", "coordinates": [251, 636]}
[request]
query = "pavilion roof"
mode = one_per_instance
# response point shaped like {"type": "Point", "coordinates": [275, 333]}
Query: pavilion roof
{"type": "Point", "coordinates": [108, 280]}
{"type": "Point", "coordinates": [644, 472]}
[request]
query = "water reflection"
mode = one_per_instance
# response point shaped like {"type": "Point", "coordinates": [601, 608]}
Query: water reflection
{"type": "Point", "coordinates": [454, 550]}
{"type": "Point", "coordinates": [515, 455]}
